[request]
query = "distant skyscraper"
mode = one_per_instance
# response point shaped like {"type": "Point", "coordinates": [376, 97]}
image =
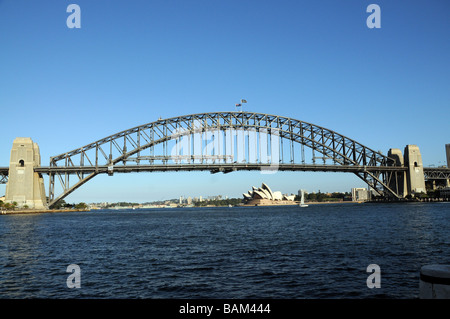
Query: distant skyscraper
{"type": "Point", "coordinates": [447, 150]}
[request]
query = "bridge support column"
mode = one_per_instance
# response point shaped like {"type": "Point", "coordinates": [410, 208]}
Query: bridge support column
{"type": "Point", "coordinates": [415, 175]}
{"type": "Point", "coordinates": [25, 187]}
{"type": "Point", "coordinates": [398, 181]}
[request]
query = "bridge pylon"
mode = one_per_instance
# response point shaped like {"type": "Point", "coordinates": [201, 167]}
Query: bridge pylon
{"type": "Point", "coordinates": [25, 186]}
{"type": "Point", "coordinates": [412, 181]}
{"type": "Point", "coordinates": [415, 175]}
{"type": "Point", "coordinates": [399, 182]}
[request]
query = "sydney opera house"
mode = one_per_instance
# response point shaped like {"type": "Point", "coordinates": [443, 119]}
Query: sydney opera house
{"type": "Point", "coordinates": [264, 196]}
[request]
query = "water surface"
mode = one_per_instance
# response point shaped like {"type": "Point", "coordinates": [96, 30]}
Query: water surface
{"type": "Point", "coordinates": [321, 251]}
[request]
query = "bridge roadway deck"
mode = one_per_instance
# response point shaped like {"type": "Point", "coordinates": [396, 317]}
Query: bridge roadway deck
{"type": "Point", "coordinates": [213, 168]}
{"type": "Point", "coordinates": [431, 172]}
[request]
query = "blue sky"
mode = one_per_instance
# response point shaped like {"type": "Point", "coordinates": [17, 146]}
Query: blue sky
{"type": "Point", "coordinates": [132, 62]}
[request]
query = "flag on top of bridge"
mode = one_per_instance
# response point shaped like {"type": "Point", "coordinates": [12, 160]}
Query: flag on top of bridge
{"type": "Point", "coordinates": [238, 104]}
{"type": "Point", "coordinates": [243, 101]}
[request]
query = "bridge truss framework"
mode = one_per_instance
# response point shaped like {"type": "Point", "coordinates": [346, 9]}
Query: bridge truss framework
{"type": "Point", "coordinates": [223, 142]}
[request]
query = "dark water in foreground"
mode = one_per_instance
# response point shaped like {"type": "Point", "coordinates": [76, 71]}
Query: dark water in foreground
{"type": "Point", "coordinates": [256, 252]}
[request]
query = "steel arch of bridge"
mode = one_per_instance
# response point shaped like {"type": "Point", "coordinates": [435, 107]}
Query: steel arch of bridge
{"type": "Point", "coordinates": [105, 155]}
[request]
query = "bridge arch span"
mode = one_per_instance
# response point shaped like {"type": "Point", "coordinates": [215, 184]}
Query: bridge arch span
{"type": "Point", "coordinates": [236, 140]}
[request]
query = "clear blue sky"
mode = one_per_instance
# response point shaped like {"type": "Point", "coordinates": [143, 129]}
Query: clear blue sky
{"type": "Point", "coordinates": [134, 61]}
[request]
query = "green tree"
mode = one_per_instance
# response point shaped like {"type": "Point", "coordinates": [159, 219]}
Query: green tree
{"type": "Point", "coordinates": [81, 206]}
{"type": "Point", "coordinates": [60, 204]}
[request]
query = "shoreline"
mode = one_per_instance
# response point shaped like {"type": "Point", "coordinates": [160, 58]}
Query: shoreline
{"type": "Point", "coordinates": [38, 211]}
{"type": "Point", "coordinates": [265, 204]}
{"type": "Point", "coordinates": [298, 203]}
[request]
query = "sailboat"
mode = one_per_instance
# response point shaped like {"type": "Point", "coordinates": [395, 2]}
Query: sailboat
{"type": "Point", "coordinates": [302, 200]}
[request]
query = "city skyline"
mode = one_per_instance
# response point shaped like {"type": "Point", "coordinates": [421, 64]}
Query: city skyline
{"type": "Point", "coordinates": [132, 63]}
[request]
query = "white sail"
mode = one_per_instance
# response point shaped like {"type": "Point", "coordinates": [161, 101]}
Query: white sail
{"type": "Point", "coordinates": [302, 199]}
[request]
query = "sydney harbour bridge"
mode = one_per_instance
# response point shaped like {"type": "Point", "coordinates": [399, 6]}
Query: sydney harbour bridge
{"type": "Point", "coordinates": [217, 142]}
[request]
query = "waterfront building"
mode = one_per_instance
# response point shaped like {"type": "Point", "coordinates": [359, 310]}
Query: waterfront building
{"type": "Point", "coordinates": [360, 194]}
{"type": "Point", "coordinates": [265, 196]}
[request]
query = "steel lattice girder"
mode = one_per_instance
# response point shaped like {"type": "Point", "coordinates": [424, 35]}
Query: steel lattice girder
{"type": "Point", "coordinates": [436, 173]}
{"type": "Point", "coordinates": [332, 144]}
{"type": "Point", "coordinates": [341, 149]}
{"type": "Point", "coordinates": [4, 171]}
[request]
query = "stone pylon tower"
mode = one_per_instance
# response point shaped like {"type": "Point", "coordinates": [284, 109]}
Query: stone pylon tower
{"type": "Point", "coordinates": [415, 176]}
{"type": "Point", "coordinates": [25, 187]}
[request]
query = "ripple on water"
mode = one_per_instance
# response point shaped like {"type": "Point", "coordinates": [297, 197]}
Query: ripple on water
{"type": "Point", "coordinates": [222, 253]}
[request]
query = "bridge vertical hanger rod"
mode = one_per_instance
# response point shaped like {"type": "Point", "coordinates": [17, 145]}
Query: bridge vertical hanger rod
{"type": "Point", "coordinates": [82, 162]}
{"type": "Point", "coordinates": [243, 144]}
{"type": "Point", "coordinates": [202, 143]}
{"type": "Point", "coordinates": [213, 147]}
{"type": "Point", "coordinates": [176, 142]}
{"type": "Point", "coordinates": [124, 149]}
{"type": "Point", "coordinates": [291, 143]}
{"type": "Point", "coordinates": [302, 142]}
{"type": "Point", "coordinates": [165, 144]}
{"type": "Point", "coordinates": [110, 153]}
{"type": "Point", "coordinates": [293, 152]}
{"type": "Point", "coordinates": [51, 186]}
{"type": "Point", "coordinates": [138, 145]}
{"type": "Point", "coordinates": [152, 147]}
{"type": "Point", "coordinates": [334, 147]}
{"type": "Point", "coordinates": [205, 143]}
{"type": "Point", "coordinates": [313, 145]}
{"type": "Point", "coordinates": [323, 148]}
{"type": "Point", "coordinates": [255, 140]}
{"type": "Point", "coordinates": [248, 140]}
{"type": "Point", "coordinates": [303, 154]}
{"type": "Point", "coordinates": [237, 145]}
{"type": "Point", "coordinates": [96, 155]}
{"type": "Point", "coordinates": [219, 136]}
{"type": "Point", "coordinates": [225, 146]}
{"type": "Point", "coordinates": [193, 140]}
{"type": "Point", "coordinates": [280, 150]}
{"type": "Point", "coordinates": [189, 150]}
{"type": "Point", "coordinates": [66, 175]}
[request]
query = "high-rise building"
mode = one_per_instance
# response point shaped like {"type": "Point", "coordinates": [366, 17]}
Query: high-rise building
{"type": "Point", "coordinates": [447, 151]}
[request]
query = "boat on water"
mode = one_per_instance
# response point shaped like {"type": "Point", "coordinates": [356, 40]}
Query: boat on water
{"type": "Point", "coordinates": [302, 200]}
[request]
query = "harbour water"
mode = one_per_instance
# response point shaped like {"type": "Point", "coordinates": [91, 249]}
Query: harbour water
{"type": "Point", "coordinates": [283, 252]}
